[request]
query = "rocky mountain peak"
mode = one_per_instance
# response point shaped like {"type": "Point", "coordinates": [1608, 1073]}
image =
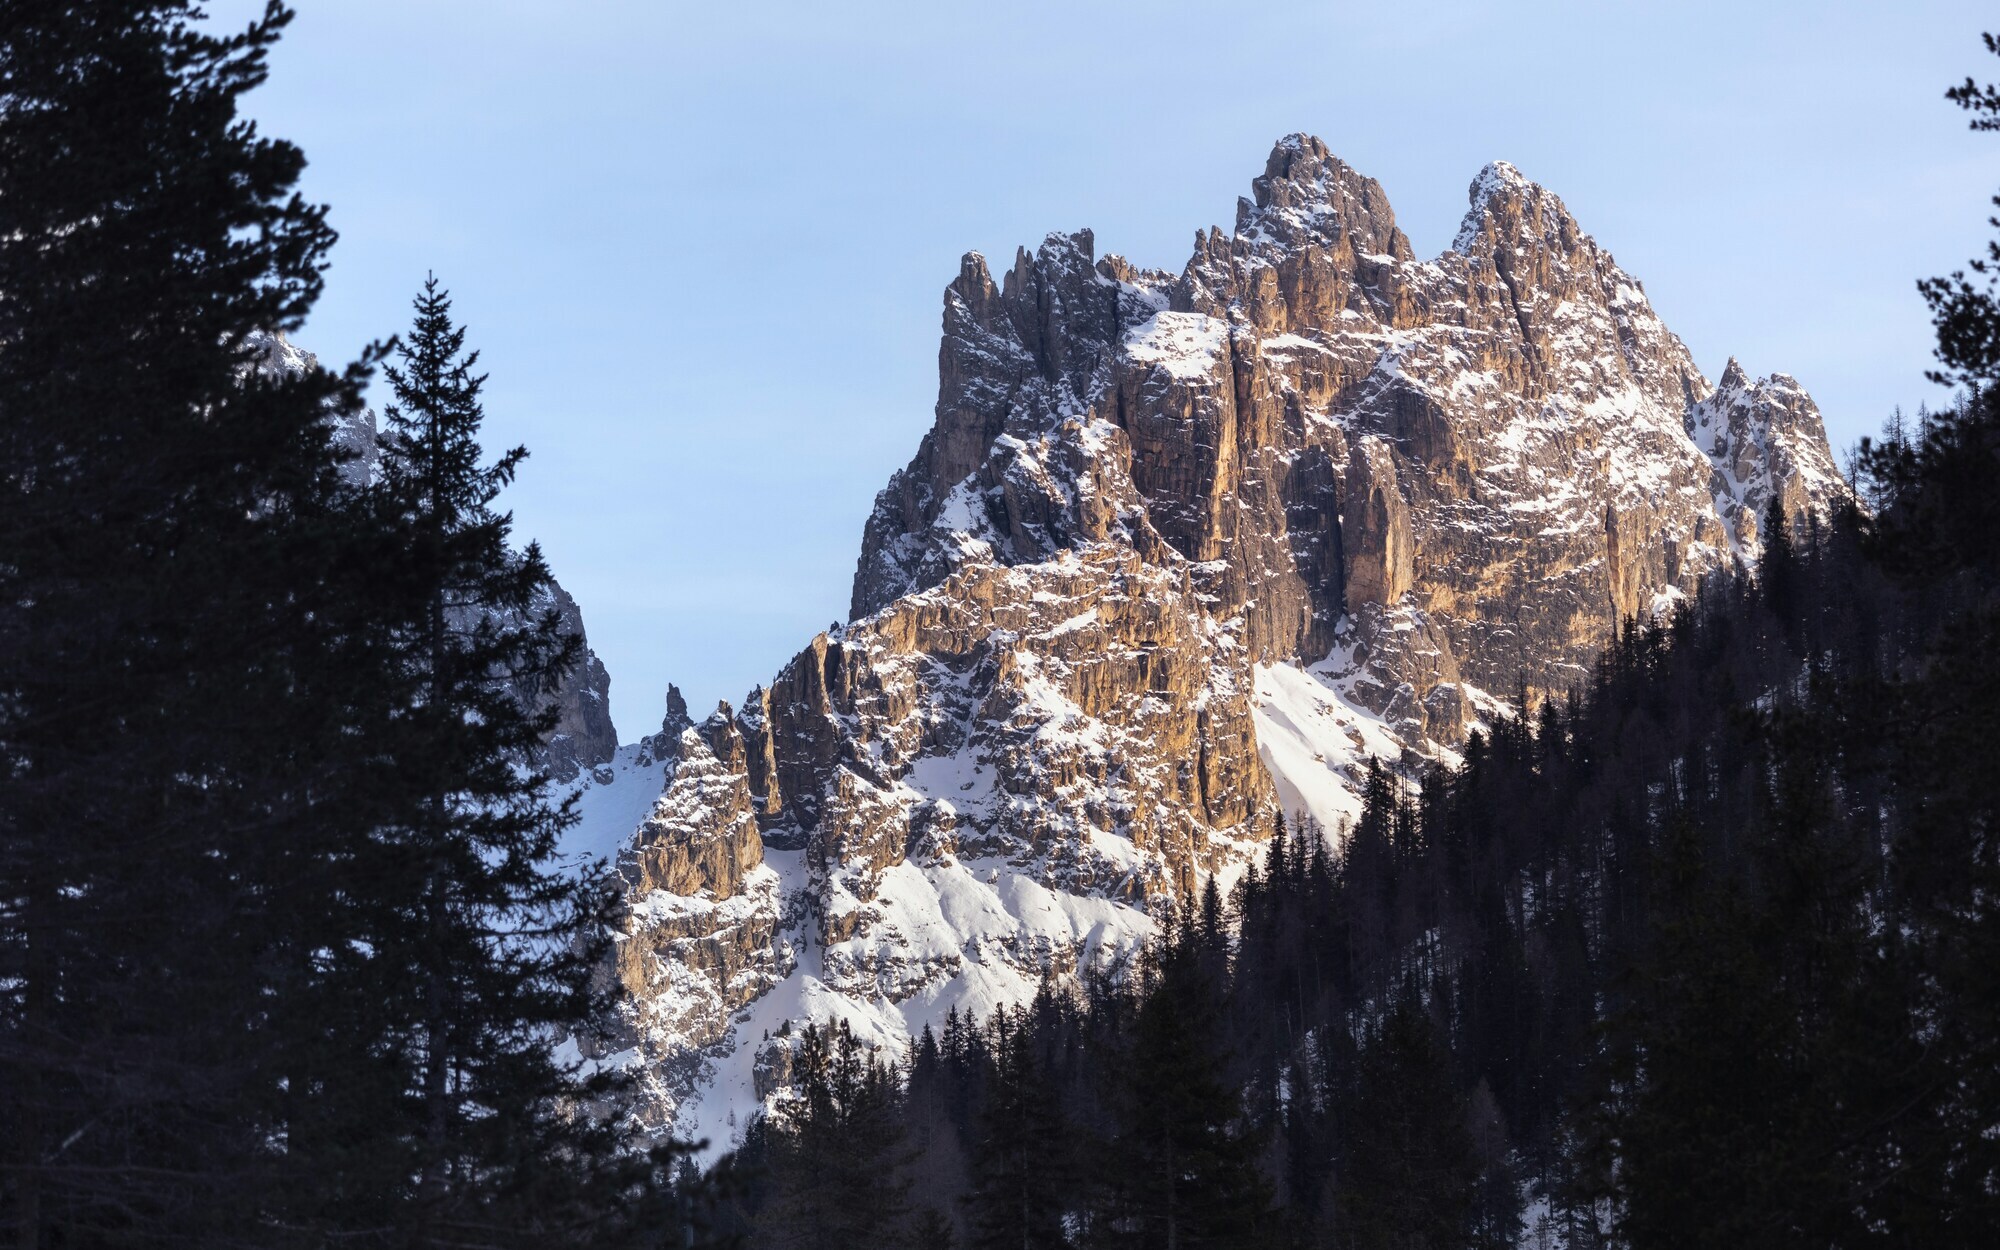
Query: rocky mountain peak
{"type": "Point", "coordinates": [1765, 439]}
{"type": "Point", "coordinates": [1224, 416]}
{"type": "Point", "coordinates": [1182, 550]}
{"type": "Point", "coordinates": [1308, 196]}
{"type": "Point", "coordinates": [1509, 215]}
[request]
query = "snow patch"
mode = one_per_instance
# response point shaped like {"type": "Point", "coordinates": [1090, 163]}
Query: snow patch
{"type": "Point", "coordinates": [1186, 345]}
{"type": "Point", "coordinates": [1316, 743]}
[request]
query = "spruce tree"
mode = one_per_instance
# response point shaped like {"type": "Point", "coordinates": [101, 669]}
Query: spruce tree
{"type": "Point", "coordinates": [1407, 1178]}
{"type": "Point", "coordinates": [177, 713]}
{"type": "Point", "coordinates": [482, 945]}
{"type": "Point", "coordinates": [1702, 1073]}
{"type": "Point", "coordinates": [1778, 563]}
{"type": "Point", "coordinates": [1020, 1163]}
{"type": "Point", "coordinates": [839, 1173]}
{"type": "Point", "coordinates": [1184, 1170]}
{"type": "Point", "coordinates": [1368, 878]}
{"type": "Point", "coordinates": [1966, 311]}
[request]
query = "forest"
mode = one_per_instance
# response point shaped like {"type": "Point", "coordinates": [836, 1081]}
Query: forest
{"type": "Point", "coordinates": [1705, 952]}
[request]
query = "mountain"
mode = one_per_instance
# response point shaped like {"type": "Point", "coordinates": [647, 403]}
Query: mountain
{"type": "Point", "coordinates": [1179, 552]}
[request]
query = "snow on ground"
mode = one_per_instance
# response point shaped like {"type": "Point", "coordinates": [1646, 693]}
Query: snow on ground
{"type": "Point", "coordinates": [971, 933]}
{"type": "Point", "coordinates": [983, 921]}
{"type": "Point", "coordinates": [1316, 742]}
{"type": "Point", "coordinates": [610, 811]}
{"type": "Point", "coordinates": [1185, 344]}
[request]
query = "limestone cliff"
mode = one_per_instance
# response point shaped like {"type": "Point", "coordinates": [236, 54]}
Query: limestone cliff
{"type": "Point", "coordinates": [1502, 440]}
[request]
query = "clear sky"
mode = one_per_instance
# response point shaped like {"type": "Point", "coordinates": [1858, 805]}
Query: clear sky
{"type": "Point", "coordinates": [702, 247]}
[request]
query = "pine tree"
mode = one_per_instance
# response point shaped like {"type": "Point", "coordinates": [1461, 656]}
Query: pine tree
{"type": "Point", "coordinates": [176, 709]}
{"type": "Point", "coordinates": [938, 1172]}
{"type": "Point", "coordinates": [1185, 1171]}
{"type": "Point", "coordinates": [1688, 1105]}
{"type": "Point", "coordinates": [1965, 311]}
{"type": "Point", "coordinates": [839, 1171]}
{"type": "Point", "coordinates": [1778, 563]}
{"type": "Point", "coordinates": [1496, 1205]}
{"type": "Point", "coordinates": [482, 944]}
{"type": "Point", "coordinates": [1368, 877]}
{"type": "Point", "coordinates": [1019, 1159]}
{"type": "Point", "coordinates": [1407, 1178]}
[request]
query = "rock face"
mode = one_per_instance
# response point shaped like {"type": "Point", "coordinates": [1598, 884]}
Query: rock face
{"type": "Point", "coordinates": [1764, 439]}
{"type": "Point", "coordinates": [1177, 549]}
{"type": "Point", "coordinates": [700, 935]}
{"type": "Point", "coordinates": [584, 737]}
{"type": "Point", "coordinates": [1503, 440]}
{"type": "Point", "coordinates": [985, 782]}
{"type": "Point", "coordinates": [1019, 712]}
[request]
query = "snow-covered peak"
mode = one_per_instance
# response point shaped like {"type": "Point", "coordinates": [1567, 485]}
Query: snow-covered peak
{"type": "Point", "coordinates": [1495, 177]}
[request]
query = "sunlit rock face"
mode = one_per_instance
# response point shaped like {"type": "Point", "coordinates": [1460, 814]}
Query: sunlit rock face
{"type": "Point", "coordinates": [1504, 440]}
{"type": "Point", "coordinates": [1181, 550]}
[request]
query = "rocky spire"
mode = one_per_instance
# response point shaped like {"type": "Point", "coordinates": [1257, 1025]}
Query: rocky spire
{"type": "Point", "coordinates": [1501, 203]}
{"type": "Point", "coordinates": [1308, 196]}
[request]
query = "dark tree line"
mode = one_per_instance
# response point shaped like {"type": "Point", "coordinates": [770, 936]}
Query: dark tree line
{"type": "Point", "coordinates": [1110, 1117]}
{"type": "Point", "coordinates": [1704, 953]}
{"type": "Point", "coordinates": [286, 953]}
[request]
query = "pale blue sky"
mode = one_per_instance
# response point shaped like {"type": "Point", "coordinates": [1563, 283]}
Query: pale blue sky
{"type": "Point", "coordinates": [703, 246]}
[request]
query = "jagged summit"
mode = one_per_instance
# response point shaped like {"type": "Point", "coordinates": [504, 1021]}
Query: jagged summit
{"type": "Point", "coordinates": [1181, 550]}
{"type": "Point", "coordinates": [1310, 329]}
{"type": "Point", "coordinates": [1504, 205]}
{"type": "Point", "coordinates": [1308, 195]}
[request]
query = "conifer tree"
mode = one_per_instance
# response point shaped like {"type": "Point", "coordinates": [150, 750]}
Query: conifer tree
{"type": "Point", "coordinates": [1689, 1107]}
{"type": "Point", "coordinates": [1020, 1162]}
{"type": "Point", "coordinates": [1496, 1205]}
{"type": "Point", "coordinates": [1407, 1179]}
{"type": "Point", "coordinates": [1778, 563]}
{"type": "Point", "coordinates": [483, 945]}
{"type": "Point", "coordinates": [938, 1168]}
{"type": "Point", "coordinates": [1368, 875]}
{"type": "Point", "coordinates": [837, 1152]}
{"type": "Point", "coordinates": [1185, 1170]}
{"type": "Point", "coordinates": [1966, 311]}
{"type": "Point", "coordinates": [177, 702]}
